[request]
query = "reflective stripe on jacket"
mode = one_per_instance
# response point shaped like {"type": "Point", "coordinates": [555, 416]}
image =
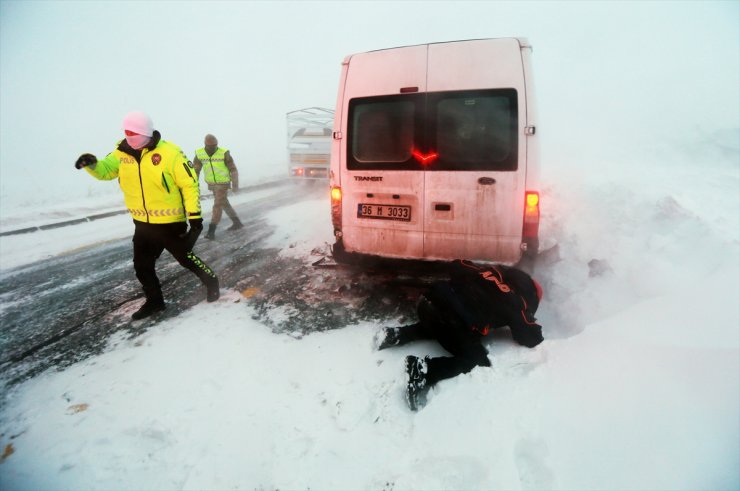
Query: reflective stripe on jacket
{"type": "Point", "coordinates": [160, 188]}
{"type": "Point", "coordinates": [214, 170]}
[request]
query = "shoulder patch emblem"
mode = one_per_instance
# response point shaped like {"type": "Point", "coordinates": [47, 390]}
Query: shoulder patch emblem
{"type": "Point", "coordinates": [156, 159]}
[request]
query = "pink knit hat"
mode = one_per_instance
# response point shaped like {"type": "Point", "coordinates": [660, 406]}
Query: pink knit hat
{"type": "Point", "coordinates": [138, 122]}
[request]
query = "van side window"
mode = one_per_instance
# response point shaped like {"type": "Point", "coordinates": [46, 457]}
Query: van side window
{"type": "Point", "coordinates": [383, 132]}
{"type": "Point", "coordinates": [475, 131]}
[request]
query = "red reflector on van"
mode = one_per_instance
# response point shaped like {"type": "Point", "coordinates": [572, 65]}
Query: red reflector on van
{"type": "Point", "coordinates": [406, 90]}
{"type": "Point", "coordinates": [424, 159]}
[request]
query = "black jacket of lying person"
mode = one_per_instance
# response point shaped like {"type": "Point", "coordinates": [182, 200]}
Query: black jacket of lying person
{"type": "Point", "coordinates": [458, 314]}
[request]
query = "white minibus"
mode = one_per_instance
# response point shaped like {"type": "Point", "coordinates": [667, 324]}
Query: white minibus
{"type": "Point", "coordinates": [434, 153]}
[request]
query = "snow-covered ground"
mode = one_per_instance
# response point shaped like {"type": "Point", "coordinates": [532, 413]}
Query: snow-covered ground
{"type": "Point", "coordinates": [637, 385]}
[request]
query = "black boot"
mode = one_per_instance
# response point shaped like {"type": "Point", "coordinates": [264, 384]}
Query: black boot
{"type": "Point", "coordinates": [151, 306]}
{"type": "Point", "coordinates": [416, 382]}
{"type": "Point", "coordinates": [213, 292]}
{"type": "Point", "coordinates": [235, 225]}
{"type": "Point", "coordinates": [211, 234]}
{"type": "Point", "coordinates": [396, 336]}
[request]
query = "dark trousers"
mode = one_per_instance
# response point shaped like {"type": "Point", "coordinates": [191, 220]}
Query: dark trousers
{"type": "Point", "coordinates": [464, 344]}
{"type": "Point", "coordinates": [150, 239]}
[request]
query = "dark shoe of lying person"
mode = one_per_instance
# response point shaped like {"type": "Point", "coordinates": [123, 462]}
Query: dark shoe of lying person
{"type": "Point", "coordinates": [150, 307]}
{"type": "Point", "coordinates": [416, 382]}
{"type": "Point", "coordinates": [397, 336]}
{"type": "Point", "coordinates": [387, 337]}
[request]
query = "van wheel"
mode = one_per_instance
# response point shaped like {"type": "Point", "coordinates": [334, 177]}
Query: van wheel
{"type": "Point", "coordinates": [338, 252]}
{"type": "Point", "coordinates": [527, 262]}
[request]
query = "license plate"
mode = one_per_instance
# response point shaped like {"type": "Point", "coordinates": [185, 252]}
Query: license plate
{"type": "Point", "coordinates": [384, 212]}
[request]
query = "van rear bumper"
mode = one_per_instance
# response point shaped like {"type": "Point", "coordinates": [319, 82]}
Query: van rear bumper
{"type": "Point", "coordinates": [397, 243]}
{"type": "Point", "coordinates": [404, 244]}
{"type": "Point", "coordinates": [499, 249]}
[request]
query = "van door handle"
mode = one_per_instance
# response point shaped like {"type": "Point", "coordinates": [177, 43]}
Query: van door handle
{"type": "Point", "coordinates": [442, 207]}
{"type": "Point", "coordinates": [486, 181]}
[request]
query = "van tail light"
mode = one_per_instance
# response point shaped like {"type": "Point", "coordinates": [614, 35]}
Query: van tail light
{"type": "Point", "coordinates": [531, 214]}
{"type": "Point", "coordinates": [336, 209]}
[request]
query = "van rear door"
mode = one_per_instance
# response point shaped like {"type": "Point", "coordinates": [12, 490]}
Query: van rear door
{"type": "Point", "coordinates": [383, 212]}
{"type": "Point", "coordinates": [474, 190]}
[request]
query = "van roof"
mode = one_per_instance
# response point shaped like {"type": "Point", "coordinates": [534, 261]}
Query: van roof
{"type": "Point", "coordinates": [523, 42]}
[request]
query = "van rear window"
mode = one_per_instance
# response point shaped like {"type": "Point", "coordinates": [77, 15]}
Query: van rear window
{"type": "Point", "coordinates": [475, 132]}
{"type": "Point", "coordinates": [468, 130]}
{"type": "Point", "coordinates": [383, 131]}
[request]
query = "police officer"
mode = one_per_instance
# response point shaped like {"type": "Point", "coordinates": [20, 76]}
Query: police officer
{"type": "Point", "coordinates": [220, 173]}
{"type": "Point", "coordinates": [458, 314]}
{"type": "Point", "coordinates": [160, 189]}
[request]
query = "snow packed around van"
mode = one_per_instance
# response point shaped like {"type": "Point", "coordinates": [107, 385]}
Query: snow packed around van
{"type": "Point", "coordinates": [634, 387]}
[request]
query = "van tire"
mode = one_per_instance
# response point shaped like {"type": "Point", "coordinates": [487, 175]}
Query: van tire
{"type": "Point", "coordinates": [338, 253]}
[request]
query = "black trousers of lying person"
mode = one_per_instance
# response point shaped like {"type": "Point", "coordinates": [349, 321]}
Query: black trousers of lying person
{"type": "Point", "coordinates": [437, 321]}
{"type": "Point", "coordinates": [459, 313]}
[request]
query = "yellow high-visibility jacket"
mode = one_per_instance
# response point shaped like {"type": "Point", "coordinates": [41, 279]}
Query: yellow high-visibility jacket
{"type": "Point", "coordinates": [215, 170]}
{"type": "Point", "coordinates": [161, 187]}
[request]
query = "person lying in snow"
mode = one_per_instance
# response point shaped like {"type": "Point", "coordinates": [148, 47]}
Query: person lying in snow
{"type": "Point", "coordinates": [458, 314]}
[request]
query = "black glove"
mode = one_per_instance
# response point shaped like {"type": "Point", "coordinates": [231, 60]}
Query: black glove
{"type": "Point", "coordinates": [85, 160]}
{"type": "Point", "coordinates": [196, 224]}
{"type": "Point", "coordinates": [529, 336]}
{"type": "Point", "coordinates": [191, 236]}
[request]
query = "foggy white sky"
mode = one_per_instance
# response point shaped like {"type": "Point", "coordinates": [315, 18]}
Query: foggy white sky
{"type": "Point", "coordinates": [608, 75]}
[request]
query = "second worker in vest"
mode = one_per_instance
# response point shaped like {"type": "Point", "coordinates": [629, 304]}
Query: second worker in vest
{"type": "Point", "coordinates": [219, 172]}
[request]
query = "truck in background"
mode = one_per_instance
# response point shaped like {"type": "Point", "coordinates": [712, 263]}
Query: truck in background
{"type": "Point", "coordinates": [309, 142]}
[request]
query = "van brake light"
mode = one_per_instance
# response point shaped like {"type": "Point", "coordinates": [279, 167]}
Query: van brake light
{"type": "Point", "coordinates": [336, 194]}
{"type": "Point", "coordinates": [336, 208]}
{"type": "Point", "coordinates": [531, 214]}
